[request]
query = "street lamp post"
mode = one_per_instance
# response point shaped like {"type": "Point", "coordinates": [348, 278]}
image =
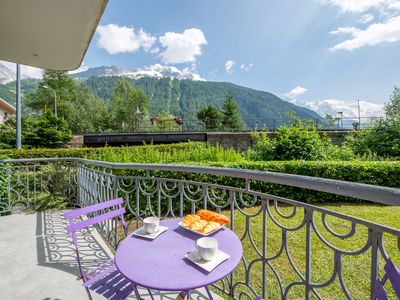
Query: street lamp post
{"type": "Point", "coordinates": [18, 106]}
{"type": "Point", "coordinates": [55, 98]}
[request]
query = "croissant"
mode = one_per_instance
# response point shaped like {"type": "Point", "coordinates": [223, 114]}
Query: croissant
{"type": "Point", "coordinates": [199, 225]}
{"type": "Point", "coordinates": [212, 216]}
{"type": "Point", "coordinates": [190, 219]}
{"type": "Point", "coordinates": [211, 226]}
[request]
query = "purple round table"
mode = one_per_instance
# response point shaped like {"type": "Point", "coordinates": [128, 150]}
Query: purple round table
{"type": "Point", "coordinates": [160, 264]}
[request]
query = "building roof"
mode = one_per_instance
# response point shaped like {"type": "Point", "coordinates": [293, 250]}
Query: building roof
{"type": "Point", "coordinates": [48, 34]}
{"type": "Point", "coordinates": [7, 106]}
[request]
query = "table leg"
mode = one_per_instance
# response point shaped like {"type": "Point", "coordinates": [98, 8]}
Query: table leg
{"type": "Point", "coordinates": [209, 293]}
{"type": "Point", "coordinates": [188, 295]}
{"type": "Point", "coordinates": [181, 295]}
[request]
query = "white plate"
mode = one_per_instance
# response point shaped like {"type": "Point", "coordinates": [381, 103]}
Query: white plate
{"type": "Point", "coordinates": [200, 233]}
{"type": "Point", "coordinates": [209, 265]}
{"type": "Point", "coordinates": [140, 232]}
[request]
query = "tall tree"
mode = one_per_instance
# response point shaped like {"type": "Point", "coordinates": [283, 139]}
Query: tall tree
{"type": "Point", "coordinates": [210, 117]}
{"type": "Point", "coordinates": [56, 88]}
{"type": "Point", "coordinates": [128, 105]}
{"type": "Point", "coordinates": [392, 109]}
{"type": "Point", "coordinates": [382, 137]}
{"type": "Point", "coordinates": [230, 114]}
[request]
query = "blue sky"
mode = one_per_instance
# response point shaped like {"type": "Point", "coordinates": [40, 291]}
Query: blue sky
{"type": "Point", "coordinates": [341, 49]}
{"type": "Point", "coordinates": [307, 50]}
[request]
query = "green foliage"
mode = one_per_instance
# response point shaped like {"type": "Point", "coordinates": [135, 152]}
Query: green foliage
{"type": "Point", "coordinates": [184, 98]}
{"type": "Point", "coordinates": [392, 109]}
{"type": "Point", "coordinates": [45, 131]}
{"type": "Point", "coordinates": [230, 114]}
{"type": "Point", "coordinates": [166, 122]}
{"type": "Point", "coordinates": [383, 173]}
{"type": "Point", "coordinates": [3, 185]}
{"type": "Point", "coordinates": [174, 153]}
{"type": "Point", "coordinates": [55, 89]}
{"type": "Point", "coordinates": [210, 117]}
{"type": "Point", "coordinates": [83, 112]}
{"type": "Point", "coordinates": [298, 140]}
{"type": "Point", "coordinates": [128, 106]}
{"type": "Point", "coordinates": [382, 137]}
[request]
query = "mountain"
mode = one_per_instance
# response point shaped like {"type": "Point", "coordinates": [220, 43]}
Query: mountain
{"type": "Point", "coordinates": [181, 93]}
{"type": "Point", "coordinates": [349, 108]}
{"type": "Point", "coordinates": [154, 71]}
{"type": "Point", "coordinates": [185, 98]}
{"type": "Point", "coordinates": [6, 75]}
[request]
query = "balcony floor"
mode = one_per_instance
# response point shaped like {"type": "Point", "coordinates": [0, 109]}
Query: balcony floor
{"type": "Point", "coordinates": [37, 260]}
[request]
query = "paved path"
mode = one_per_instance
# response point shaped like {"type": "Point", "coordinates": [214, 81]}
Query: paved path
{"type": "Point", "coordinates": [37, 261]}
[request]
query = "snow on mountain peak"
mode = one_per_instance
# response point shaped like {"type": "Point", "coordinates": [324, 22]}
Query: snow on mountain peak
{"type": "Point", "coordinates": [349, 108]}
{"type": "Point", "coordinates": [156, 70]}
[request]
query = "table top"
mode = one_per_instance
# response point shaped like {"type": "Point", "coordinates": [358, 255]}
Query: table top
{"type": "Point", "coordinates": [161, 264]}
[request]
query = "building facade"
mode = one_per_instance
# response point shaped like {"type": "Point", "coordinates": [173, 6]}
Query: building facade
{"type": "Point", "coordinates": [6, 110]}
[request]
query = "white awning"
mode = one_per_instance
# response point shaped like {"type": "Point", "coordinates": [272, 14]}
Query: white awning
{"type": "Point", "coordinates": [48, 34]}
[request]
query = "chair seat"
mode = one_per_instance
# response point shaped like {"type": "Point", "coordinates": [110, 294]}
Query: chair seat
{"type": "Point", "coordinates": [107, 281]}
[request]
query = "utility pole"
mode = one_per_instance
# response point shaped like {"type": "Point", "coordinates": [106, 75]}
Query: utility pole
{"type": "Point", "coordinates": [359, 114]}
{"type": "Point", "coordinates": [18, 106]}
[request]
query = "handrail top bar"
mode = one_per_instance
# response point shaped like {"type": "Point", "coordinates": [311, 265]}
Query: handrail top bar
{"type": "Point", "coordinates": [377, 194]}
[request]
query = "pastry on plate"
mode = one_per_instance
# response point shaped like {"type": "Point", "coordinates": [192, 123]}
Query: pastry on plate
{"type": "Point", "coordinates": [190, 219]}
{"type": "Point", "coordinates": [213, 216]}
{"type": "Point", "coordinates": [210, 227]}
{"type": "Point", "coordinates": [199, 225]}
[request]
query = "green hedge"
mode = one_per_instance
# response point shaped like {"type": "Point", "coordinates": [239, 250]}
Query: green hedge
{"type": "Point", "coordinates": [90, 152]}
{"type": "Point", "coordinates": [382, 173]}
{"type": "Point", "coordinates": [376, 173]}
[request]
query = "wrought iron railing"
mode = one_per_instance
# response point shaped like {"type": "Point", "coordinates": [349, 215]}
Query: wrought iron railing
{"type": "Point", "coordinates": [292, 250]}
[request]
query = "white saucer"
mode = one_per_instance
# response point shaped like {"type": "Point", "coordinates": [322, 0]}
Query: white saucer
{"type": "Point", "coordinates": [209, 265]}
{"type": "Point", "coordinates": [140, 232]}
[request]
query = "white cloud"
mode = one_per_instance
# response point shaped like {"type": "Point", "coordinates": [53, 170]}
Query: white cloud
{"type": "Point", "coordinates": [367, 18]}
{"type": "Point", "coordinates": [155, 50]}
{"type": "Point", "coordinates": [229, 66]}
{"type": "Point", "coordinates": [294, 93]}
{"type": "Point", "coordinates": [182, 47]}
{"type": "Point", "coordinates": [82, 68]}
{"type": "Point", "coordinates": [246, 68]}
{"type": "Point", "coordinates": [121, 39]}
{"type": "Point", "coordinates": [355, 6]}
{"type": "Point", "coordinates": [377, 33]}
{"type": "Point", "coordinates": [26, 71]}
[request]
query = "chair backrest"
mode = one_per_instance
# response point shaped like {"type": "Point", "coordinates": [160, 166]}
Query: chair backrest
{"type": "Point", "coordinates": [114, 210]}
{"type": "Point", "coordinates": [391, 273]}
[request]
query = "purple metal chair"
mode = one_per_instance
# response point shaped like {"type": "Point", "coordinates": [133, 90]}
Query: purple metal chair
{"type": "Point", "coordinates": [391, 273]}
{"type": "Point", "coordinates": [105, 279]}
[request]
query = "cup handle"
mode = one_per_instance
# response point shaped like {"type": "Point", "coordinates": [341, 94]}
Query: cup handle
{"type": "Point", "coordinates": [197, 246]}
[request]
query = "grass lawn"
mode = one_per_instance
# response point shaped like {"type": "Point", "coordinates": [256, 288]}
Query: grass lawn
{"type": "Point", "coordinates": [355, 268]}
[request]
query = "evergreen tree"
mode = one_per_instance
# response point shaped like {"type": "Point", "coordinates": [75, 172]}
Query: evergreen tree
{"type": "Point", "coordinates": [230, 114]}
{"type": "Point", "coordinates": [210, 117]}
{"type": "Point", "coordinates": [56, 88]}
{"type": "Point", "coordinates": [392, 109]}
{"type": "Point", "coordinates": [128, 106]}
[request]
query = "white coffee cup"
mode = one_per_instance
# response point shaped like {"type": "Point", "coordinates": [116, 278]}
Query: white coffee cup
{"type": "Point", "coordinates": [151, 225]}
{"type": "Point", "coordinates": [207, 247]}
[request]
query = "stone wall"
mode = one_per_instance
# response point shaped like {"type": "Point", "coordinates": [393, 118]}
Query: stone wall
{"type": "Point", "coordinates": [242, 140]}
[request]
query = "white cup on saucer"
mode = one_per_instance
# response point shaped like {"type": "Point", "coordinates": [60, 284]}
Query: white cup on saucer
{"type": "Point", "coordinates": [207, 247]}
{"type": "Point", "coordinates": [151, 225]}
